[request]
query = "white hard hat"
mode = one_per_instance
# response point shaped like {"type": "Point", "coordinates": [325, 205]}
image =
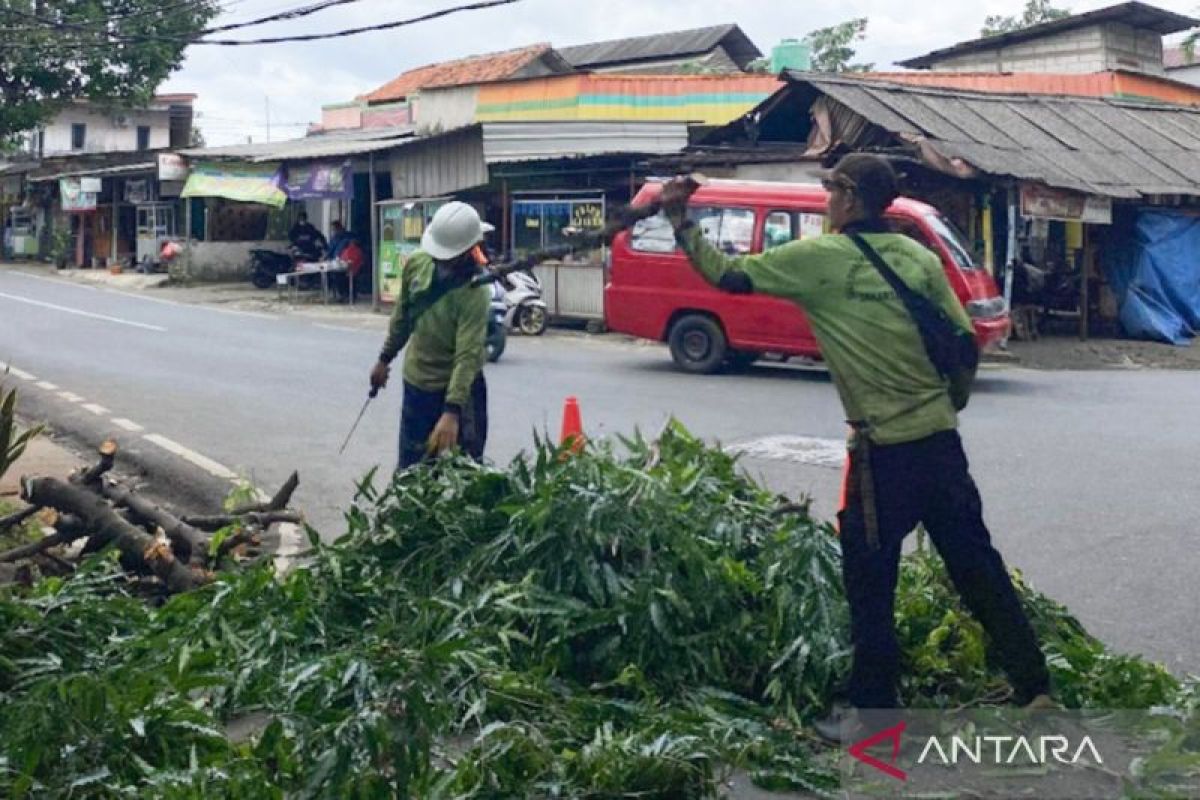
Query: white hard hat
{"type": "Point", "coordinates": [454, 230]}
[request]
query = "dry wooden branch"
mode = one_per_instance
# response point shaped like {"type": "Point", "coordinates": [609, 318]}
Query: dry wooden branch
{"type": "Point", "coordinates": [262, 519]}
{"type": "Point", "coordinates": [277, 503]}
{"type": "Point", "coordinates": [139, 550]}
{"type": "Point", "coordinates": [190, 544]}
{"type": "Point", "coordinates": [92, 475]}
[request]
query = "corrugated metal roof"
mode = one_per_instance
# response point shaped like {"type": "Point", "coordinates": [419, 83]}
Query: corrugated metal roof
{"type": "Point", "coordinates": [676, 44]}
{"type": "Point", "coordinates": [125, 169]}
{"type": "Point", "coordinates": [541, 141]}
{"type": "Point", "coordinates": [1096, 145]}
{"type": "Point", "coordinates": [1112, 83]}
{"type": "Point", "coordinates": [326, 145]}
{"type": "Point", "coordinates": [1136, 15]}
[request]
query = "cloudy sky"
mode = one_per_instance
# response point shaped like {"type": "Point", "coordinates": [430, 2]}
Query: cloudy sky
{"type": "Point", "coordinates": [239, 87]}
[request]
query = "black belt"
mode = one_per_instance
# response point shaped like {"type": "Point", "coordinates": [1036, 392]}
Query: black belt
{"type": "Point", "coordinates": [862, 478]}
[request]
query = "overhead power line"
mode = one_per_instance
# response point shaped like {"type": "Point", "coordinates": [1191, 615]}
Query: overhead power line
{"type": "Point", "coordinates": [108, 40]}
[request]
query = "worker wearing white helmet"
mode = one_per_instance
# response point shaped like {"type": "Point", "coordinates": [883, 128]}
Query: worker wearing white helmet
{"type": "Point", "coordinates": [443, 321]}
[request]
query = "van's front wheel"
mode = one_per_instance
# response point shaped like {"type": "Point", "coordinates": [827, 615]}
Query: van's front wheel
{"type": "Point", "coordinates": [698, 344]}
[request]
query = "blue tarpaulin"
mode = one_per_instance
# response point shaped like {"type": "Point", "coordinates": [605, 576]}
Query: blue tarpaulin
{"type": "Point", "coordinates": [1155, 273]}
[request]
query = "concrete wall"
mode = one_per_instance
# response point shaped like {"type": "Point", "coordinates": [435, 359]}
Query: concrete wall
{"type": "Point", "coordinates": [214, 262]}
{"type": "Point", "coordinates": [1097, 48]}
{"type": "Point", "coordinates": [444, 109]}
{"type": "Point", "coordinates": [102, 134]}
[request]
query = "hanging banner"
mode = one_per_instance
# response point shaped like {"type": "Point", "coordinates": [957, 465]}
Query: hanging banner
{"type": "Point", "coordinates": [1045, 203]}
{"type": "Point", "coordinates": [247, 183]}
{"type": "Point", "coordinates": [73, 196]}
{"type": "Point", "coordinates": [320, 180]}
{"type": "Point", "coordinates": [172, 167]}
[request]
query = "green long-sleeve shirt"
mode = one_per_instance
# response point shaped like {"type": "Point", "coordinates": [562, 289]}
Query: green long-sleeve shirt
{"type": "Point", "coordinates": [867, 337]}
{"type": "Point", "coordinates": [446, 345]}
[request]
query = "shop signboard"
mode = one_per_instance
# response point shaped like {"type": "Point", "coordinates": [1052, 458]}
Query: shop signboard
{"type": "Point", "coordinates": [172, 167]}
{"type": "Point", "coordinates": [320, 180]}
{"type": "Point", "coordinates": [1043, 202]}
{"type": "Point", "coordinates": [74, 198]}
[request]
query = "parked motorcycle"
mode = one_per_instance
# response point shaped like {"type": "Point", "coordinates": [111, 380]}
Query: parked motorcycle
{"type": "Point", "coordinates": [525, 308]}
{"type": "Point", "coordinates": [266, 264]}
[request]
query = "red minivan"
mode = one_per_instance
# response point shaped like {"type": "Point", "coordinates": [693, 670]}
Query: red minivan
{"type": "Point", "coordinates": [653, 292]}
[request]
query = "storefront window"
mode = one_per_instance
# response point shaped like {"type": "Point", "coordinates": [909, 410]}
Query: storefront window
{"type": "Point", "coordinates": [539, 223]}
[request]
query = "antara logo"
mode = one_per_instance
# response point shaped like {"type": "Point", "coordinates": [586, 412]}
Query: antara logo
{"type": "Point", "coordinates": [1020, 751]}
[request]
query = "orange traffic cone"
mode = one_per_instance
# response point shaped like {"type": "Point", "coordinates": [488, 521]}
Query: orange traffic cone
{"type": "Point", "coordinates": [572, 437]}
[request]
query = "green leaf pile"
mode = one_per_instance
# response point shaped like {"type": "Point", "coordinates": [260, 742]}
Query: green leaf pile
{"type": "Point", "coordinates": [634, 621]}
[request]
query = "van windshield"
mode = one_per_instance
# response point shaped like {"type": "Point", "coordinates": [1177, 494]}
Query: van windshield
{"type": "Point", "coordinates": [954, 241]}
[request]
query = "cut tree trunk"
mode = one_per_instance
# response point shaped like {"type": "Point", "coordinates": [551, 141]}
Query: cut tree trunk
{"type": "Point", "coordinates": [139, 550]}
{"type": "Point", "coordinates": [92, 475]}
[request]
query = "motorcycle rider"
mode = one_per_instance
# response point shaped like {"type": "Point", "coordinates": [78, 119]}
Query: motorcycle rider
{"type": "Point", "coordinates": [443, 321]}
{"type": "Point", "coordinates": [309, 243]}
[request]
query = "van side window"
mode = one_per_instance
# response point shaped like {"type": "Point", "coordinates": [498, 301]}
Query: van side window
{"type": "Point", "coordinates": [778, 229]}
{"type": "Point", "coordinates": [730, 230]}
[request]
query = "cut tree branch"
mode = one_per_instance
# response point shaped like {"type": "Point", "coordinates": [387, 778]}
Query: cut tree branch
{"type": "Point", "coordinates": [68, 529]}
{"type": "Point", "coordinates": [277, 503]}
{"type": "Point", "coordinates": [262, 519]}
{"type": "Point", "coordinates": [190, 544]}
{"type": "Point", "coordinates": [139, 550]}
{"type": "Point", "coordinates": [91, 476]}
{"type": "Point", "coordinates": [13, 520]}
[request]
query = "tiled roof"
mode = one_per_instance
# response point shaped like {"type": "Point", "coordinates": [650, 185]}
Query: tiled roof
{"type": "Point", "coordinates": [473, 69]}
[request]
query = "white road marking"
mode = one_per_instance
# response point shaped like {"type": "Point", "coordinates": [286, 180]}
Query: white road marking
{"type": "Point", "coordinates": [17, 373]}
{"type": "Point", "coordinates": [96, 409]}
{"type": "Point", "coordinates": [341, 328]}
{"type": "Point", "coordinates": [88, 314]}
{"type": "Point", "coordinates": [70, 397]}
{"type": "Point", "coordinates": [47, 385]}
{"type": "Point", "coordinates": [815, 452]}
{"type": "Point", "coordinates": [62, 281]}
{"type": "Point", "coordinates": [138, 296]}
{"type": "Point", "coordinates": [203, 462]}
{"type": "Point", "coordinates": [128, 425]}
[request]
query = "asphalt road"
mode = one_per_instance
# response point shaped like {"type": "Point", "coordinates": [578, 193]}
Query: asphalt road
{"type": "Point", "coordinates": [1088, 478]}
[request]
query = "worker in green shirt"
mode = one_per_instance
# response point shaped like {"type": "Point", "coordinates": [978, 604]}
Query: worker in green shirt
{"type": "Point", "coordinates": [443, 320]}
{"type": "Point", "coordinates": [907, 463]}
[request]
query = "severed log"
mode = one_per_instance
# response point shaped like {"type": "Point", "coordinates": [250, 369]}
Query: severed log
{"type": "Point", "coordinates": [67, 529]}
{"type": "Point", "coordinates": [190, 544]}
{"type": "Point", "coordinates": [91, 476]}
{"type": "Point", "coordinates": [277, 503]}
{"type": "Point", "coordinates": [259, 519]}
{"type": "Point", "coordinates": [139, 550]}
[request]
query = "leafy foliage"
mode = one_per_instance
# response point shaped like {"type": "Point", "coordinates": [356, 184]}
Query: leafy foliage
{"type": "Point", "coordinates": [12, 443]}
{"type": "Point", "coordinates": [110, 51]}
{"type": "Point", "coordinates": [833, 47]}
{"type": "Point", "coordinates": [1036, 12]}
{"type": "Point", "coordinates": [603, 625]}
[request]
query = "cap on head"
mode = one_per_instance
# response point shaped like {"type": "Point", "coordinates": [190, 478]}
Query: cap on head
{"type": "Point", "coordinates": [868, 176]}
{"type": "Point", "coordinates": [454, 230]}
